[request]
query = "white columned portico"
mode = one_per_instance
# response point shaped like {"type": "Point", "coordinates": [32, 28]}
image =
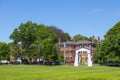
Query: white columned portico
{"type": "Point", "coordinates": [76, 62]}
{"type": "Point", "coordinates": [89, 61]}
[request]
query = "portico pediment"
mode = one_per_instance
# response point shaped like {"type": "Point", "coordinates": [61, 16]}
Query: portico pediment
{"type": "Point", "coordinates": [83, 49]}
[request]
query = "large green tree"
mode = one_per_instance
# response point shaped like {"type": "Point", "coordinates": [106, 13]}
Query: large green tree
{"type": "Point", "coordinates": [109, 48]}
{"type": "Point", "coordinates": [32, 37]}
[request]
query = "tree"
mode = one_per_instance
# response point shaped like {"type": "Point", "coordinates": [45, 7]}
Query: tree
{"type": "Point", "coordinates": [66, 36]}
{"type": "Point", "coordinates": [36, 40]}
{"type": "Point", "coordinates": [24, 34]}
{"type": "Point", "coordinates": [109, 48]}
{"type": "Point", "coordinates": [60, 34]}
{"type": "Point", "coordinates": [49, 49]}
{"type": "Point", "coordinates": [4, 51]}
{"type": "Point", "coordinates": [80, 37]}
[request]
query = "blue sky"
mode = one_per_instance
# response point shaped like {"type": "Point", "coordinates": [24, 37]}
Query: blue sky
{"type": "Point", "coordinates": [85, 17]}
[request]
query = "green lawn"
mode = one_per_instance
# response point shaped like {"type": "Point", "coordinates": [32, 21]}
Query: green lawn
{"type": "Point", "coordinates": [38, 72]}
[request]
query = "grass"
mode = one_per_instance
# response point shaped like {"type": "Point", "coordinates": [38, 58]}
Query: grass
{"type": "Point", "coordinates": [38, 72]}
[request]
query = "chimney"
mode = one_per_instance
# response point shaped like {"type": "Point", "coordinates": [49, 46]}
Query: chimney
{"type": "Point", "coordinates": [74, 39]}
{"type": "Point", "coordinates": [98, 40]}
{"type": "Point", "coordinates": [93, 38]}
{"type": "Point", "coordinates": [59, 40]}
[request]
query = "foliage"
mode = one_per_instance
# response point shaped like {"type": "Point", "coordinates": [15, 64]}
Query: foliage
{"type": "Point", "coordinates": [60, 33]}
{"type": "Point", "coordinates": [61, 57]}
{"type": "Point", "coordinates": [4, 51]}
{"type": "Point", "coordinates": [109, 48]}
{"type": "Point", "coordinates": [66, 37]}
{"type": "Point", "coordinates": [49, 49]}
{"type": "Point", "coordinates": [35, 72]}
{"type": "Point", "coordinates": [13, 51]}
{"type": "Point", "coordinates": [80, 37]}
{"type": "Point", "coordinates": [35, 40]}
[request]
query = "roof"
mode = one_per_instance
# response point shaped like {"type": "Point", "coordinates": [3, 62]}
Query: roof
{"type": "Point", "coordinates": [78, 42]}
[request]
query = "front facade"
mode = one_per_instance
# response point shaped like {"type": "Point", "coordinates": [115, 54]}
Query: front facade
{"type": "Point", "coordinates": [68, 49]}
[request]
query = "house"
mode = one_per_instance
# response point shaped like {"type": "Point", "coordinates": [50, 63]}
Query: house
{"type": "Point", "coordinates": [68, 49]}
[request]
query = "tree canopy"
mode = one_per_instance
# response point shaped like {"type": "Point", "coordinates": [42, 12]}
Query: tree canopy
{"type": "Point", "coordinates": [32, 37]}
{"type": "Point", "coordinates": [80, 37]}
{"type": "Point", "coordinates": [60, 34]}
{"type": "Point", "coordinates": [109, 49]}
{"type": "Point", "coordinates": [4, 51]}
{"type": "Point", "coordinates": [35, 40]}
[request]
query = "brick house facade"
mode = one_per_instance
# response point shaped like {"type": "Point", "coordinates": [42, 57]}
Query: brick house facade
{"type": "Point", "coordinates": [68, 49]}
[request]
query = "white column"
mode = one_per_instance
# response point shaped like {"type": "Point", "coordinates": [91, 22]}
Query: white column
{"type": "Point", "coordinates": [89, 60]}
{"type": "Point", "coordinates": [76, 63]}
